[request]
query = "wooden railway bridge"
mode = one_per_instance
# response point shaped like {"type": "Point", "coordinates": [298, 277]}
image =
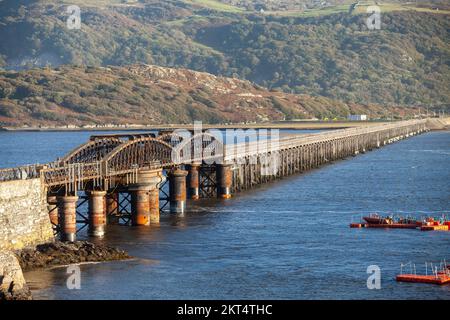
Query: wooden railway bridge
{"type": "Point", "coordinates": [131, 178]}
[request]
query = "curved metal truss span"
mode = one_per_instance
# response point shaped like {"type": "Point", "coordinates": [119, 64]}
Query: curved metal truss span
{"type": "Point", "coordinates": [137, 153]}
{"type": "Point", "coordinates": [91, 151]}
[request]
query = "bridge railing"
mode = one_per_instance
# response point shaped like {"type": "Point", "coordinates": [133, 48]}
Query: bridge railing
{"type": "Point", "coordinates": [25, 172]}
{"type": "Point", "coordinates": [72, 174]}
{"type": "Point", "coordinates": [20, 173]}
{"type": "Point", "coordinates": [255, 147]}
{"type": "Point", "coordinates": [57, 173]}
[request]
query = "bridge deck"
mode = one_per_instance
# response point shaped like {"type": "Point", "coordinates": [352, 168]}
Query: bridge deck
{"type": "Point", "coordinates": [107, 156]}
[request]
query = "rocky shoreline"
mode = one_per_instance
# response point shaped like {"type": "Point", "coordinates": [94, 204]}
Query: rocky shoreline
{"type": "Point", "coordinates": [64, 253]}
{"type": "Point", "coordinates": [12, 283]}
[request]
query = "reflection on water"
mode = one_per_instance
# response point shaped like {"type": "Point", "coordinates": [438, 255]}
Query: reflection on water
{"type": "Point", "coordinates": [288, 239]}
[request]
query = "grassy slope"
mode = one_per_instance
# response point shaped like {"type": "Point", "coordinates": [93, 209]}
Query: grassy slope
{"type": "Point", "coordinates": [342, 8]}
{"type": "Point", "coordinates": [152, 95]}
{"type": "Point", "coordinates": [152, 34]}
{"type": "Point", "coordinates": [215, 5]}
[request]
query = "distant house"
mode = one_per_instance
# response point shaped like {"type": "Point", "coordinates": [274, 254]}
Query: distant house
{"type": "Point", "coordinates": [357, 117]}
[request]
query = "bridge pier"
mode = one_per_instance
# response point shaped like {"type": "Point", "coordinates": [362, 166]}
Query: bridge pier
{"type": "Point", "coordinates": [97, 213]}
{"type": "Point", "coordinates": [177, 191]}
{"type": "Point", "coordinates": [193, 180]}
{"type": "Point", "coordinates": [144, 202]}
{"type": "Point", "coordinates": [140, 205]}
{"type": "Point", "coordinates": [52, 207]}
{"type": "Point", "coordinates": [224, 180]}
{"type": "Point", "coordinates": [112, 207]}
{"type": "Point", "coordinates": [157, 181]}
{"type": "Point", "coordinates": [67, 206]}
{"type": "Point", "coordinates": [154, 205]}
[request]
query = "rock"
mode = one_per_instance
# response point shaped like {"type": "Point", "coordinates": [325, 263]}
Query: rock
{"type": "Point", "coordinates": [12, 283]}
{"type": "Point", "coordinates": [62, 253]}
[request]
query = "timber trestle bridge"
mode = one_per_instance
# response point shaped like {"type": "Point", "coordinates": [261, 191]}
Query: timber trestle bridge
{"type": "Point", "coordinates": [132, 178]}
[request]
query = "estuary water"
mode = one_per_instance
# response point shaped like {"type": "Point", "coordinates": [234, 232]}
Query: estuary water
{"type": "Point", "coordinates": [285, 240]}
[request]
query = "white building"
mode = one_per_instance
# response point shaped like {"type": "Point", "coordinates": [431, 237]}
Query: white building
{"type": "Point", "coordinates": [357, 117]}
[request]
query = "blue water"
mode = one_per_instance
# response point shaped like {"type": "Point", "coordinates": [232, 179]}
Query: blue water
{"type": "Point", "coordinates": [285, 240]}
{"type": "Point", "coordinates": [21, 148]}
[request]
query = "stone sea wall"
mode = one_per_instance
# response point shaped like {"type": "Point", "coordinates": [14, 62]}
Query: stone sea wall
{"type": "Point", "coordinates": [24, 219]}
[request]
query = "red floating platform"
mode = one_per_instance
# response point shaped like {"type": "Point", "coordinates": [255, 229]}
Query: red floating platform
{"type": "Point", "coordinates": [443, 227]}
{"type": "Point", "coordinates": [439, 279]}
{"type": "Point", "coordinates": [357, 225]}
{"type": "Point", "coordinates": [393, 226]}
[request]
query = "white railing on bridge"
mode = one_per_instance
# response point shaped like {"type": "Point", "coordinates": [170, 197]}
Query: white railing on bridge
{"type": "Point", "coordinates": [55, 173]}
{"type": "Point", "coordinates": [246, 149]}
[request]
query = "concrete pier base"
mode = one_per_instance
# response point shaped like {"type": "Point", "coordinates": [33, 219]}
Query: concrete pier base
{"type": "Point", "coordinates": [97, 213]}
{"type": "Point", "coordinates": [177, 191]}
{"type": "Point", "coordinates": [193, 181]}
{"type": "Point", "coordinates": [145, 198]}
{"type": "Point", "coordinates": [224, 180]}
{"type": "Point", "coordinates": [140, 205]}
{"type": "Point", "coordinates": [52, 207]}
{"type": "Point", "coordinates": [67, 206]}
{"type": "Point", "coordinates": [154, 206]}
{"type": "Point", "coordinates": [112, 208]}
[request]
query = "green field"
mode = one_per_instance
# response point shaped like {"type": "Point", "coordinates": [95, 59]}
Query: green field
{"type": "Point", "coordinates": [215, 5]}
{"type": "Point", "coordinates": [344, 8]}
{"type": "Point", "coordinates": [98, 3]}
{"type": "Point", "coordinates": [360, 9]}
{"type": "Point", "coordinates": [312, 12]}
{"type": "Point", "coordinates": [222, 7]}
{"type": "Point", "coordinates": [389, 7]}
